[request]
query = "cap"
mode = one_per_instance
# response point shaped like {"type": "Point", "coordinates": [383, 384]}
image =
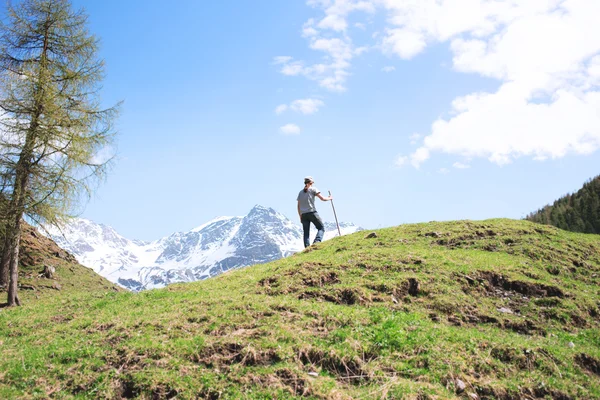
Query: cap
{"type": "Point", "coordinates": [309, 179]}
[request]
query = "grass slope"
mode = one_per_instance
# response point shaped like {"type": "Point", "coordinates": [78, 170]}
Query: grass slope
{"type": "Point", "coordinates": [37, 251]}
{"type": "Point", "coordinates": [494, 309]}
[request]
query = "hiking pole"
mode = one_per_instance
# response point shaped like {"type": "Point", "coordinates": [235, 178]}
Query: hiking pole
{"type": "Point", "coordinates": [335, 215]}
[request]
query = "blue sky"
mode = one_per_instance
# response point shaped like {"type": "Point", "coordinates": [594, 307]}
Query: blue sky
{"type": "Point", "coordinates": [199, 135]}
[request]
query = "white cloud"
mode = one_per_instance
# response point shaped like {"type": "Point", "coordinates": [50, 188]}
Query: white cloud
{"type": "Point", "coordinates": [415, 159]}
{"type": "Point", "coordinates": [280, 109]}
{"type": "Point", "coordinates": [302, 106]}
{"type": "Point", "coordinates": [444, 171]}
{"type": "Point", "coordinates": [308, 29]}
{"type": "Point", "coordinates": [459, 165]}
{"type": "Point", "coordinates": [401, 161]}
{"type": "Point", "coordinates": [334, 22]}
{"type": "Point", "coordinates": [290, 129]}
{"type": "Point", "coordinates": [545, 55]}
{"type": "Point", "coordinates": [503, 126]}
{"type": "Point", "coordinates": [360, 26]}
{"type": "Point", "coordinates": [404, 43]}
{"type": "Point", "coordinates": [414, 138]}
{"type": "Point", "coordinates": [388, 69]}
{"type": "Point", "coordinates": [333, 72]}
{"type": "Point", "coordinates": [292, 68]}
{"type": "Point", "coordinates": [307, 106]}
{"type": "Point", "coordinates": [282, 59]}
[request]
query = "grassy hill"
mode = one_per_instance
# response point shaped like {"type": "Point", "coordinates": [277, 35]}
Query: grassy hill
{"type": "Point", "coordinates": [37, 251]}
{"type": "Point", "coordinates": [494, 309]}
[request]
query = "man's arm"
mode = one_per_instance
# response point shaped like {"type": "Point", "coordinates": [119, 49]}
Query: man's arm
{"type": "Point", "coordinates": [299, 213]}
{"type": "Point", "coordinates": [319, 195]}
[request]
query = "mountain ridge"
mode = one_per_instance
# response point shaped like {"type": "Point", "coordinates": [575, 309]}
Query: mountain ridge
{"type": "Point", "coordinates": [221, 244]}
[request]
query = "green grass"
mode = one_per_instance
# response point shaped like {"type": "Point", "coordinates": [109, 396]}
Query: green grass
{"type": "Point", "coordinates": [337, 322]}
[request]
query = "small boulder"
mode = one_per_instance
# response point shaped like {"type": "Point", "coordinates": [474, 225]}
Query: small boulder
{"type": "Point", "coordinates": [48, 272]}
{"type": "Point", "coordinates": [371, 235]}
{"type": "Point", "coordinates": [460, 386]}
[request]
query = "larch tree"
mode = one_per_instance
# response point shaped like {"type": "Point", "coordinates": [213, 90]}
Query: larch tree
{"type": "Point", "coordinates": [53, 129]}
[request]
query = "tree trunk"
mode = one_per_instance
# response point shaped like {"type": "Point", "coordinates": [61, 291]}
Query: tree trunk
{"type": "Point", "coordinates": [13, 297]}
{"type": "Point", "coordinates": [14, 228]}
{"type": "Point", "coordinates": [5, 263]}
{"type": "Point", "coordinates": [14, 236]}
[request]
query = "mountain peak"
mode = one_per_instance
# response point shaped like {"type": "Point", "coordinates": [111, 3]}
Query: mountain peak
{"type": "Point", "coordinates": [258, 207]}
{"type": "Point", "coordinates": [261, 210]}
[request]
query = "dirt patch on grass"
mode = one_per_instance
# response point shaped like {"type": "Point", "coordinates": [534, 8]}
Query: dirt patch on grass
{"type": "Point", "coordinates": [588, 363]}
{"type": "Point", "coordinates": [128, 389]}
{"type": "Point", "coordinates": [500, 393]}
{"type": "Point", "coordinates": [235, 353]}
{"type": "Point", "coordinates": [297, 385]}
{"type": "Point", "coordinates": [523, 327]}
{"type": "Point", "coordinates": [61, 319]}
{"type": "Point", "coordinates": [285, 379]}
{"type": "Point", "coordinates": [523, 359]}
{"type": "Point", "coordinates": [346, 296]}
{"type": "Point", "coordinates": [486, 393]}
{"type": "Point", "coordinates": [269, 282]}
{"type": "Point", "coordinates": [494, 281]}
{"type": "Point", "coordinates": [345, 369]}
{"type": "Point", "coordinates": [327, 278]}
{"type": "Point", "coordinates": [123, 361]}
{"type": "Point", "coordinates": [100, 328]}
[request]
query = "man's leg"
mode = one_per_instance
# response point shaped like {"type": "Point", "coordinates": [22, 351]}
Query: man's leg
{"type": "Point", "coordinates": [306, 228]}
{"type": "Point", "coordinates": [320, 228]}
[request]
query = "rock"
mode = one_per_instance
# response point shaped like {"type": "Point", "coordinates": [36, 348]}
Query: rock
{"type": "Point", "coordinates": [460, 385]}
{"type": "Point", "coordinates": [473, 396]}
{"type": "Point", "coordinates": [394, 300]}
{"type": "Point", "coordinates": [371, 235]}
{"type": "Point", "coordinates": [571, 345]}
{"type": "Point", "coordinates": [56, 285]}
{"type": "Point", "coordinates": [505, 310]}
{"type": "Point", "coordinates": [312, 373]}
{"type": "Point", "coordinates": [48, 272]}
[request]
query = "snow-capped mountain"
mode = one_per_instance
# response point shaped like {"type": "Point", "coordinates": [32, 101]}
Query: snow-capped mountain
{"type": "Point", "coordinates": [215, 247]}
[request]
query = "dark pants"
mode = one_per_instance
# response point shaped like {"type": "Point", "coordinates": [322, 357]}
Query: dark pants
{"type": "Point", "coordinates": [306, 219]}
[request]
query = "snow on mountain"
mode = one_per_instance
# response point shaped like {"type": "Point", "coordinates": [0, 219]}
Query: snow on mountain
{"type": "Point", "coordinates": [217, 246]}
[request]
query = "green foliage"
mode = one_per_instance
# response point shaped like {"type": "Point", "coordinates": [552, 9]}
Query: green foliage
{"type": "Point", "coordinates": [54, 130]}
{"type": "Point", "coordinates": [54, 127]}
{"type": "Point", "coordinates": [578, 212]}
{"type": "Point", "coordinates": [336, 321]}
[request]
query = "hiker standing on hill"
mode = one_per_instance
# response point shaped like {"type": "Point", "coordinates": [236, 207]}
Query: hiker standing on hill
{"type": "Point", "coordinates": [307, 211]}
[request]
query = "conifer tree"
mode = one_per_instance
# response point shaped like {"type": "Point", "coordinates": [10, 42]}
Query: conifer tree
{"type": "Point", "coordinates": [578, 212]}
{"type": "Point", "coordinates": [53, 128]}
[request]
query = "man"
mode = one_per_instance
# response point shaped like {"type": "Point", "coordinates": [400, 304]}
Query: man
{"type": "Point", "coordinates": [307, 211]}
